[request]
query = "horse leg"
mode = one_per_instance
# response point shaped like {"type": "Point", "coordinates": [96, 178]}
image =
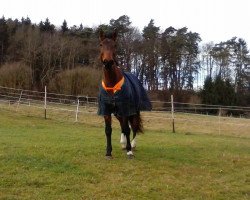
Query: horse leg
{"type": "Point", "coordinates": [108, 132]}
{"type": "Point", "coordinates": [134, 126]}
{"type": "Point", "coordinates": [133, 143]}
{"type": "Point", "coordinates": [126, 130]}
{"type": "Point", "coordinates": [123, 140]}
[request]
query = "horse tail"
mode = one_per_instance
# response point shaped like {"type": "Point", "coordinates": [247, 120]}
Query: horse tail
{"type": "Point", "coordinates": [136, 123]}
{"type": "Point", "coordinates": [140, 123]}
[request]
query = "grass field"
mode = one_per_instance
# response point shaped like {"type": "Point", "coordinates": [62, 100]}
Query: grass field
{"type": "Point", "coordinates": [49, 159]}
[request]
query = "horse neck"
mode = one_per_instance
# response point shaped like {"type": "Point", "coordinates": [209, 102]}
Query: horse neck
{"type": "Point", "coordinates": [112, 76]}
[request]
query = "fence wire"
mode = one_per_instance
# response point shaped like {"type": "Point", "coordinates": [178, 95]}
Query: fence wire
{"type": "Point", "coordinates": [188, 118]}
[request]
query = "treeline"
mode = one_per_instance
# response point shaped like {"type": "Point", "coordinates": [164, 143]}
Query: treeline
{"type": "Point", "coordinates": [66, 58]}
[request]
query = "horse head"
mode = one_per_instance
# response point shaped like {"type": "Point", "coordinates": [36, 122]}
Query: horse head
{"type": "Point", "coordinates": [108, 49]}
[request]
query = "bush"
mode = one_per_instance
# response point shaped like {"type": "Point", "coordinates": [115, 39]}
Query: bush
{"type": "Point", "coordinates": [78, 81]}
{"type": "Point", "coordinates": [16, 75]}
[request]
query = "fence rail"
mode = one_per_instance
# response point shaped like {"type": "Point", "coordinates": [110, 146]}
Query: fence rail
{"type": "Point", "coordinates": [171, 115]}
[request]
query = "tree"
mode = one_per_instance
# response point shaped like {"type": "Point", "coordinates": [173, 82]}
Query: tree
{"type": "Point", "coordinates": [4, 37]}
{"type": "Point", "coordinates": [89, 46]}
{"type": "Point", "coordinates": [46, 26]}
{"type": "Point", "coordinates": [231, 60]}
{"type": "Point", "coordinates": [179, 57]}
{"type": "Point", "coordinates": [218, 92]}
{"type": "Point", "coordinates": [150, 35]}
{"type": "Point", "coordinates": [208, 91]}
{"type": "Point", "coordinates": [26, 21]}
{"type": "Point", "coordinates": [207, 58]}
{"type": "Point", "coordinates": [240, 60]}
{"type": "Point", "coordinates": [64, 27]}
{"type": "Point", "coordinates": [125, 40]}
{"type": "Point", "coordinates": [221, 55]}
{"type": "Point", "coordinates": [190, 62]}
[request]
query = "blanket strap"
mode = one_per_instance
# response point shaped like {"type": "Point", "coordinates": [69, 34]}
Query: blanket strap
{"type": "Point", "coordinates": [117, 86]}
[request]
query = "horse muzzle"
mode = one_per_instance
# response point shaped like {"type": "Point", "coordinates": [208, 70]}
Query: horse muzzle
{"type": "Point", "coordinates": [108, 63]}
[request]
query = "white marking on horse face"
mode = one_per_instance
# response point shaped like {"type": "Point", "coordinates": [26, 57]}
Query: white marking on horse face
{"type": "Point", "coordinates": [129, 153]}
{"type": "Point", "coordinates": [133, 143]}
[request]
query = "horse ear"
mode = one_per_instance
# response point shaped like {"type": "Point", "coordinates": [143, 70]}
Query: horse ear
{"type": "Point", "coordinates": [101, 35]}
{"type": "Point", "coordinates": [114, 35]}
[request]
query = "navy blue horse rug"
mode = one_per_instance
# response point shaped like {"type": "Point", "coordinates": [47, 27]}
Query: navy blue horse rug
{"type": "Point", "coordinates": [127, 101]}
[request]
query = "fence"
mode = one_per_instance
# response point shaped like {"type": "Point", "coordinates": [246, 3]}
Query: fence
{"type": "Point", "coordinates": [166, 116]}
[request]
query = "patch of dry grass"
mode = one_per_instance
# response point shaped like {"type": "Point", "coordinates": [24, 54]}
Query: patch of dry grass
{"type": "Point", "coordinates": [155, 121]}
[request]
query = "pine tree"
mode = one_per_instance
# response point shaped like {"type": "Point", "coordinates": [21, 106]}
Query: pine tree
{"type": "Point", "coordinates": [46, 26]}
{"type": "Point", "coordinates": [207, 94]}
{"type": "Point", "coordinates": [64, 27]}
{"type": "Point", "coordinates": [151, 50]}
{"type": "Point", "coordinates": [4, 37]}
{"type": "Point", "coordinates": [26, 21]}
{"type": "Point", "coordinates": [218, 92]}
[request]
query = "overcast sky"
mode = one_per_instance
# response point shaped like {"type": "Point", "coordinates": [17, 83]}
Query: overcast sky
{"type": "Point", "coordinates": [214, 20]}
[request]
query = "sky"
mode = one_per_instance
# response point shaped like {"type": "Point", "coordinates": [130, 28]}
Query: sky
{"type": "Point", "coordinates": [214, 20]}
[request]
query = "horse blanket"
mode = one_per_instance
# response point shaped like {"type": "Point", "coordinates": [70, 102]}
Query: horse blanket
{"type": "Point", "coordinates": [128, 101]}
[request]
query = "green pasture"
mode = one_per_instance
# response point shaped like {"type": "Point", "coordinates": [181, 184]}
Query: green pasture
{"type": "Point", "coordinates": [50, 159]}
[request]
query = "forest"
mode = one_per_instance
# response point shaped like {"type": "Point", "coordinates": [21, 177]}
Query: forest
{"type": "Point", "coordinates": [170, 61]}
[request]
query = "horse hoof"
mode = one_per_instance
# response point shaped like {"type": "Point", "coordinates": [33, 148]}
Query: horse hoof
{"type": "Point", "coordinates": [109, 157]}
{"type": "Point", "coordinates": [130, 156]}
{"type": "Point", "coordinates": [124, 148]}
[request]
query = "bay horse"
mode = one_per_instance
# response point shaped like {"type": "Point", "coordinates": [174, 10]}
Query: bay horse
{"type": "Point", "coordinates": [121, 94]}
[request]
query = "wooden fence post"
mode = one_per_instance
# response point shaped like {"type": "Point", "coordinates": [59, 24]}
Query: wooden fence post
{"type": "Point", "coordinates": [77, 109]}
{"type": "Point", "coordinates": [219, 120]}
{"type": "Point", "coordinates": [45, 102]}
{"type": "Point", "coordinates": [19, 100]}
{"type": "Point", "coordinates": [172, 111]}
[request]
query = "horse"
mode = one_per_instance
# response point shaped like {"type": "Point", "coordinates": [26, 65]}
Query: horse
{"type": "Point", "coordinates": [121, 94]}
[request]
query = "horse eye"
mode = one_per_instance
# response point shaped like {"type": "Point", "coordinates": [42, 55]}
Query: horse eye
{"type": "Point", "coordinates": [100, 45]}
